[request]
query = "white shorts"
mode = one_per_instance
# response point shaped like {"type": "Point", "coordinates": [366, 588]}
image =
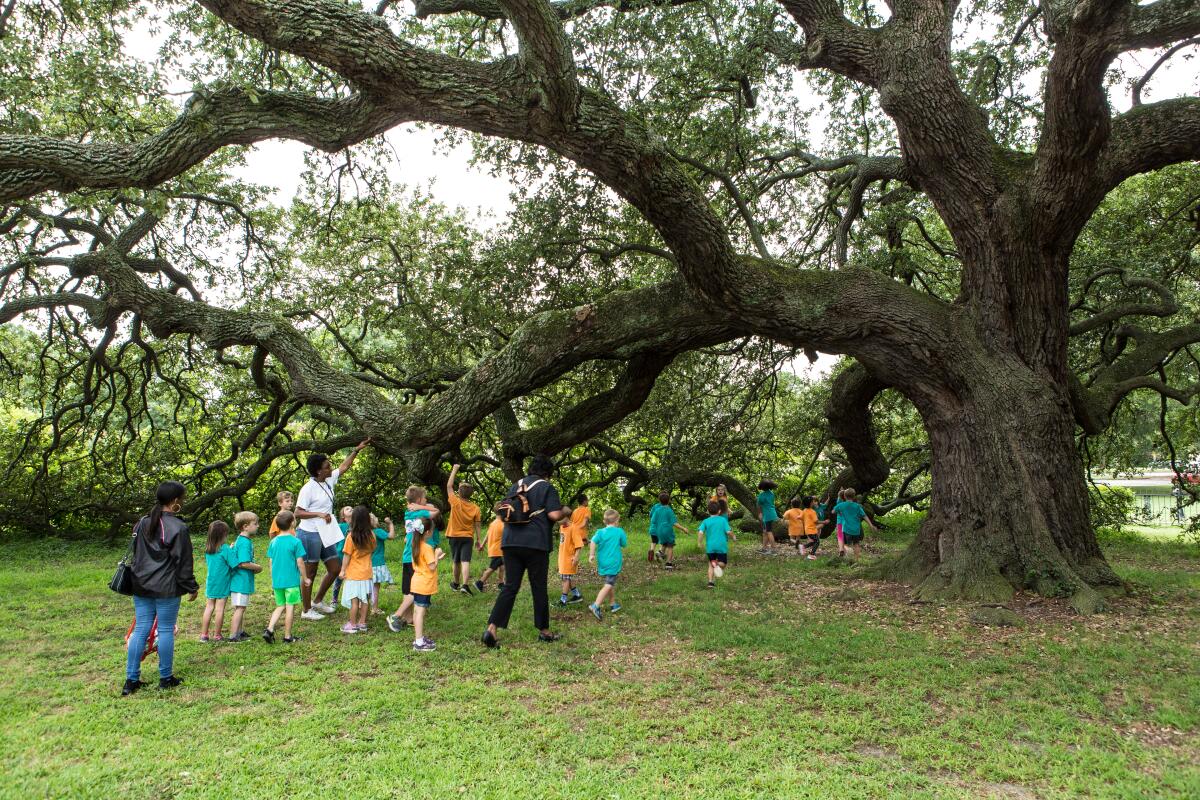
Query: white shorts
{"type": "Point", "coordinates": [356, 590]}
{"type": "Point", "coordinates": [239, 600]}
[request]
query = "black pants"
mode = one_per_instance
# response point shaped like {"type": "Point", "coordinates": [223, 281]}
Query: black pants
{"type": "Point", "coordinates": [518, 561]}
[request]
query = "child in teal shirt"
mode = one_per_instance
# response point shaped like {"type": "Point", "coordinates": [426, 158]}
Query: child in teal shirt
{"type": "Point", "coordinates": [287, 575]}
{"type": "Point", "coordinates": [850, 517]}
{"type": "Point", "coordinates": [380, 574]}
{"type": "Point", "coordinates": [241, 586]}
{"type": "Point", "coordinates": [221, 561]}
{"type": "Point", "coordinates": [767, 513]}
{"type": "Point", "coordinates": [605, 550]}
{"type": "Point", "coordinates": [713, 537]}
{"type": "Point", "coordinates": [663, 524]}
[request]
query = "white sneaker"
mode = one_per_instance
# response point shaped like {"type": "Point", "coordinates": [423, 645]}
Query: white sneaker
{"type": "Point", "coordinates": [324, 608]}
{"type": "Point", "coordinates": [312, 614]}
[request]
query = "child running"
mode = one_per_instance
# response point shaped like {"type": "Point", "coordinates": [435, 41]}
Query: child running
{"type": "Point", "coordinates": [812, 528]}
{"type": "Point", "coordinates": [380, 573]}
{"type": "Point", "coordinates": [767, 514]}
{"type": "Point", "coordinates": [713, 537]}
{"type": "Point", "coordinates": [607, 544]}
{"type": "Point", "coordinates": [287, 575]}
{"type": "Point", "coordinates": [221, 562]}
{"type": "Point", "coordinates": [794, 517]}
{"type": "Point", "coordinates": [833, 515]}
{"type": "Point", "coordinates": [462, 531]}
{"type": "Point", "coordinates": [285, 500]}
{"type": "Point", "coordinates": [242, 584]}
{"type": "Point", "coordinates": [851, 516]}
{"type": "Point", "coordinates": [574, 536]}
{"type": "Point", "coordinates": [356, 570]}
{"type": "Point", "coordinates": [496, 563]}
{"type": "Point", "coordinates": [424, 583]}
{"type": "Point", "coordinates": [663, 524]}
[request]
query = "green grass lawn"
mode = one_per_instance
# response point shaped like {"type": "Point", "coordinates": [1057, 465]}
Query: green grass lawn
{"type": "Point", "coordinates": [766, 687]}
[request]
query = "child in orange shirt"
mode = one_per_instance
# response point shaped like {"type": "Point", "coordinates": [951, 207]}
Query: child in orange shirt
{"type": "Point", "coordinates": [424, 583]}
{"type": "Point", "coordinates": [496, 566]}
{"type": "Point", "coordinates": [285, 501]}
{"type": "Point", "coordinates": [356, 571]}
{"type": "Point", "coordinates": [462, 532]}
{"type": "Point", "coordinates": [574, 537]}
{"type": "Point", "coordinates": [794, 517]}
{"type": "Point", "coordinates": [812, 528]}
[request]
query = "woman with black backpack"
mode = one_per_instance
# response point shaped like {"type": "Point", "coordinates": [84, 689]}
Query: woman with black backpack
{"type": "Point", "coordinates": [161, 569]}
{"type": "Point", "coordinates": [529, 509]}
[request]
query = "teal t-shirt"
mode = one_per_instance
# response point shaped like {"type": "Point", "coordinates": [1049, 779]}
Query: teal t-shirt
{"type": "Point", "coordinates": [408, 516]}
{"type": "Point", "coordinates": [716, 534]}
{"type": "Point", "coordinates": [283, 552]}
{"type": "Point", "coordinates": [850, 516]}
{"type": "Point", "coordinates": [662, 520]}
{"type": "Point", "coordinates": [345, 526]}
{"type": "Point", "coordinates": [243, 580]}
{"type": "Point", "coordinates": [609, 541]}
{"type": "Point", "coordinates": [378, 557]}
{"type": "Point", "coordinates": [220, 571]}
{"type": "Point", "coordinates": [766, 504]}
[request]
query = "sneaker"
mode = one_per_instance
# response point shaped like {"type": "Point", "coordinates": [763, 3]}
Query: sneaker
{"type": "Point", "coordinates": [548, 637]}
{"type": "Point", "coordinates": [395, 624]}
{"type": "Point", "coordinates": [669, 565]}
{"type": "Point", "coordinates": [362, 627]}
{"type": "Point", "coordinates": [454, 587]}
{"type": "Point", "coordinates": [479, 587]}
{"type": "Point", "coordinates": [489, 640]}
{"type": "Point", "coordinates": [312, 614]}
{"type": "Point", "coordinates": [325, 608]}
{"type": "Point", "coordinates": [466, 589]}
{"type": "Point", "coordinates": [204, 638]}
{"type": "Point", "coordinates": [659, 555]}
{"type": "Point", "coordinates": [240, 636]}
{"type": "Point", "coordinates": [349, 628]}
{"type": "Point", "coordinates": [650, 555]}
{"type": "Point", "coordinates": [562, 602]}
{"type": "Point", "coordinates": [291, 639]}
{"type": "Point", "coordinates": [269, 636]}
{"type": "Point", "coordinates": [812, 558]}
{"type": "Point", "coordinates": [712, 585]}
{"type": "Point", "coordinates": [614, 608]}
{"type": "Point", "coordinates": [575, 598]}
{"type": "Point", "coordinates": [595, 609]}
{"type": "Point", "coordinates": [424, 645]}
{"type": "Point", "coordinates": [217, 638]}
{"type": "Point", "coordinates": [169, 682]}
{"type": "Point", "coordinates": [130, 687]}
{"type": "Point", "coordinates": [718, 570]}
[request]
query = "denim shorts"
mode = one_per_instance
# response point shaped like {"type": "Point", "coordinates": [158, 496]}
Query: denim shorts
{"type": "Point", "coordinates": [610, 580]}
{"type": "Point", "coordinates": [422, 600]}
{"type": "Point", "coordinates": [314, 551]}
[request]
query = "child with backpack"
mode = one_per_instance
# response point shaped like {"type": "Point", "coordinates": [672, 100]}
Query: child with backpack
{"type": "Point", "coordinates": [851, 516]}
{"type": "Point", "coordinates": [663, 524]}
{"type": "Point", "coordinates": [605, 550]}
{"type": "Point", "coordinates": [713, 537]}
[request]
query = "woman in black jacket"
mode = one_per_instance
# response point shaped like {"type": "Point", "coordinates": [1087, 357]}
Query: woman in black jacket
{"type": "Point", "coordinates": [162, 573]}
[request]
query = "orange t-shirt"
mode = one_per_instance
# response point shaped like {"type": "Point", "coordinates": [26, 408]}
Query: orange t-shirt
{"type": "Point", "coordinates": [359, 566]}
{"type": "Point", "coordinates": [464, 516]}
{"type": "Point", "coordinates": [811, 523]}
{"type": "Point", "coordinates": [580, 517]}
{"type": "Point", "coordinates": [425, 575]}
{"type": "Point", "coordinates": [795, 521]}
{"type": "Point", "coordinates": [572, 540]}
{"type": "Point", "coordinates": [494, 532]}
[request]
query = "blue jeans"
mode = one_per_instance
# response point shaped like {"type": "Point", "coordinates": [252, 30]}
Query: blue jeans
{"type": "Point", "coordinates": [145, 609]}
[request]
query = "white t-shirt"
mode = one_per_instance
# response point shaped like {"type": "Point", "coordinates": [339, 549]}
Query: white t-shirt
{"type": "Point", "coordinates": [318, 499]}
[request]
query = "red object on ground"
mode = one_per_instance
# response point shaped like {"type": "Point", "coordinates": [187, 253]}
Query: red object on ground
{"type": "Point", "coordinates": [151, 640]}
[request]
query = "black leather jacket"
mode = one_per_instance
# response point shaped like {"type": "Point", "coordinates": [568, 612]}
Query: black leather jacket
{"type": "Point", "coordinates": [162, 559]}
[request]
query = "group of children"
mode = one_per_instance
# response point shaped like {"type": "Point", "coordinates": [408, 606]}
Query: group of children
{"type": "Point", "coordinates": [364, 570]}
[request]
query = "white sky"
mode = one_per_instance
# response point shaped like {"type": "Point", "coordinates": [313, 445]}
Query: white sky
{"type": "Point", "coordinates": [447, 175]}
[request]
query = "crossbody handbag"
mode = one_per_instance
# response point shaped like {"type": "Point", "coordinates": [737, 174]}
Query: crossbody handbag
{"type": "Point", "coordinates": [122, 579]}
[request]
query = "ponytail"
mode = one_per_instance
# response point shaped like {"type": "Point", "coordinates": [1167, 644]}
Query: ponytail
{"type": "Point", "coordinates": [166, 494]}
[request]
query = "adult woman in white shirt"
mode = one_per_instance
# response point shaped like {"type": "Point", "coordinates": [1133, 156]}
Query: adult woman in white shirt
{"type": "Point", "coordinates": [315, 505]}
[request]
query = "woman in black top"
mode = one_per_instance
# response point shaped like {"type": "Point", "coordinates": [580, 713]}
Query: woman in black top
{"type": "Point", "coordinates": [162, 573]}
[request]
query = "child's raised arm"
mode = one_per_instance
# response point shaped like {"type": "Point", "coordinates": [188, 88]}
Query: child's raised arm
{"type": "Point", "coordinates": [391, 527]}
{"type": "Point", "coordinates": [450, 480]}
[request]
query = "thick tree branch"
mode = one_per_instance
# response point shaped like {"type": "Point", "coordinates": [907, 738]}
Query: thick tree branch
{"type": "Point", "coordinates": [1150, 137]}
{"type": "Point", "coordinates": [1160, 24]}
{"type": "Point", "coordinates": [1166, 306]}
{"type": "Point", "coordinates": [210, 120]}
{"type": "Point", "coordinates": [849, 414]}
{"type": "Point", "coordinates": [833, 42]}
{"type": "Point", "coordinates": [563, 9]}
{"type": "Point", "coordinates": [546, 52]}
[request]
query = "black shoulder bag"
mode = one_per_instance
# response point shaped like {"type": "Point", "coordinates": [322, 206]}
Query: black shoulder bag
{"type": "Point", "coordinates": [122, 579]}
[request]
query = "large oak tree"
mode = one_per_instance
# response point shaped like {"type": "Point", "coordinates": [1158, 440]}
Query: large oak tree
{"type": "Point", "coordinates": [987, 370]}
